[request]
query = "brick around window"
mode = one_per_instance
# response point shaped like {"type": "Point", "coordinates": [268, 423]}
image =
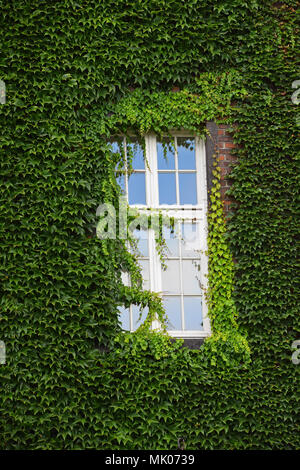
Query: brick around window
{"type": "Point", "coordinates": [221, 144]}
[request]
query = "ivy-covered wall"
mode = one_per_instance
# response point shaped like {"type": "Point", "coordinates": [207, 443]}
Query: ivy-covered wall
{"type": "Point", "coordinates": [77, 72]}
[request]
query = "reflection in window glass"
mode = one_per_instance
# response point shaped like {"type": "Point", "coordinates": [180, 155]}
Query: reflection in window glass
{"type": "Point", "coordinates": [117, 144]}
{"type": "Point", "coordinates": [190, 240]}
{"type": "Point", "coordinates": [136, 320]}
{"type": "Point", "coordinates": [193, 313]}
{"type": "Point", "coordinates": [167, 188]}
{"type": "Point", "coordinates": [136, 188]}
{"type": "Point", "coordinates": [187, 188]}
{"type": "Point", "coordinates": [136, 149]}
{"type": "Point", "coordinates": [117, 147]}
{"type": "Point", "coordinates": [165, 162]}
{"type": "Point", "coordinates": [144, 264]}
{"type": "Point", "coordinates": [186, 153]}
{"type": "Point", "coordinates": [171, 277]}
{"type": "Point", "coordinates": [125, 278]}
{"type": "Point", "coordinates": [121, 181]}
{"type": "Point", "coordinates": [191, 276]}
{"type": "Point", "coordinates": [173, 311]}
{"type": "Point", "coordinates": [171, 238]}
{"type": "Point", "coordinates": [141, 237]}
{"type": "Point", "coordinates": [124, 318]}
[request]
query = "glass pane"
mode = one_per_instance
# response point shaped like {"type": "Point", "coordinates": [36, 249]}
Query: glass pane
{"type": "Point", "coordinates": [171, 278]}
{"type": "Point", "coordinates": [136, 315]}
{"type": "Point", "coordinates": [121, 181]}
{"type": "Point", "coordinates": [138, 155]}
{"type": "Point", "coordinates": [136, 188]}
{"type": "Point", "coordinates": [187, 188]}
{"type": "Point", "coordinates": [117, 147]}
{"type": "Point", "coordinates": [193, 313]}
{"type": "Point", "coordinates": [173, 312]}
{"type": "Point", "coordinates": [190, 240]}
{"type": "Point", "coordinates": [191, 276]}
{"type": "Point", "coordinates": [186, 153]}
{"type": "Point", "coordinates": [116, 143]}
{"type": "Point", "coordinates": [166, 162]}
{"type": "Point", "coordinates": [125, 278]}
{"type": "Point", "coordinates": [171, 237]}
{"type": "Point", "coordinates": [167, 188]}
{"type": "Point", "coordinates": [144, 264]}
{"type": "Point", "coordinates": [124, 318]}
{"type": "Point", "coordinates": [142, 242]}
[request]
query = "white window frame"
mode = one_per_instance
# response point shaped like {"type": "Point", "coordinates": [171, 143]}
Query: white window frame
{"type": "Point", "coordinates": [196, 213]}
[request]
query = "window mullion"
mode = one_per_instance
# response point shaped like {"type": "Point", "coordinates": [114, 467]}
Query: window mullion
{"type": "Point", "coordinates": [126, 168]}
{"type": "Point", "coordinates": [180, 274]}
{"type": "Point", "coordinates": [201, 173]}
{"type": "Point", "coordinates": [176, 172]}
{"type": "Point", "coordinates": [151, 200]}
{"type": "Point", "coordinates": [154, 173]}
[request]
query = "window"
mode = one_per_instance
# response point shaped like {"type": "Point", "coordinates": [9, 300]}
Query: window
{"type": "Point", "coordinates": [172, 179]}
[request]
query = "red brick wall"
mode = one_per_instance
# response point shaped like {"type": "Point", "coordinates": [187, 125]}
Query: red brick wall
{"type": "Point", "coordinates": [223, 145]}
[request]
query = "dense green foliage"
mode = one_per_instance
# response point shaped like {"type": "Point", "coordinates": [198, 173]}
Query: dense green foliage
{"type": "Point", "coordinates": [75, 72]}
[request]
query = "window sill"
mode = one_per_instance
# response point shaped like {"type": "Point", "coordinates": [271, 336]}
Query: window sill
{"type": "Point", "coordinates": [193, 334]}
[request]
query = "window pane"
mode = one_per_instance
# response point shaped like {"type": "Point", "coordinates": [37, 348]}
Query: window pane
{"type": "Point", "coordinates": [190, 240]}
{"type": "Point", "coordinates": [173, 312]}
{"type": "Point", "coordinates": [191, 277]}
{"type": "Point", "coordinates": [138, 155]}
{"type": "Point", "coordinates": [144, 264]}
{"type": "Point", "coordinates": [117, 147]}
{"type": "Point", "coordinates": [187, 188]}
{"type": "Point", "coordinates": [186, 153]}
{"type": "Point", "coordinates": [167, 188]}
{"type": "Point", "coordinates": [121, 181]}
{"type": "Point", "coordinates": [124, 318]}
{"type": "Point", "coordinates": [171, 278]}
{"type": "Point", "coordinates": [171, 237]}
{"type": "Point", "coordinates": [193, 313]}
{"type": "Point", "coordinates": [136, 188]}
{"type": "Point", "coordinates": [125, 278]}
{"type": "Point", "coordinates": [142, 242]}
{"type": "Point", "coordinates": [167, 163]}
{"type": "Point", "coordinates": [136, 320]}
{"type": "Point", "coordinates": [116, 143]}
